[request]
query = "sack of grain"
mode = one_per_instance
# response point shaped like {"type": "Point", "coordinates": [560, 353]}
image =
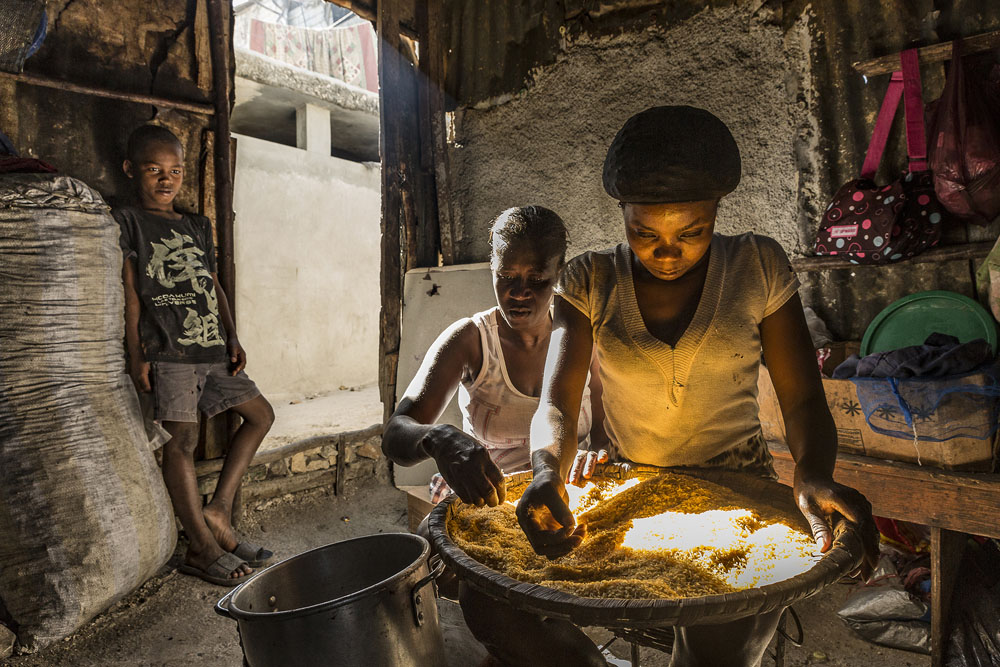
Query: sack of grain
{"type": "Point", "coordinates": [84, 517]}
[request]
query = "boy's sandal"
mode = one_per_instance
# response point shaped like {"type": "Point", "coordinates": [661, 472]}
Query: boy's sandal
{"type": "Point", "coordinates": [219, 571]}
{"type": "Point", "coordinates": [254, 555]}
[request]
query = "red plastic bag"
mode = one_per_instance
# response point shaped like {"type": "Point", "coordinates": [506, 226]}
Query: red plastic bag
{"type": "Point", "coordinates": [965, 143]}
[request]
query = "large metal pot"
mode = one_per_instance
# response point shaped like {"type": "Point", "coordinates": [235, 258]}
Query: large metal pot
{"type": "Point", "coordinates": [366, 601]}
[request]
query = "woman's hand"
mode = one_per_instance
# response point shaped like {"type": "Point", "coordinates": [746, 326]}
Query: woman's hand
{"type": "Point", "coordinates": [584, 465]}
{"type": "Point", "coordinates": [821, 499]}
{"type": "Point", "coordinates": [465, 465]}
{"type": "Point", "coordinates": [545, 518]}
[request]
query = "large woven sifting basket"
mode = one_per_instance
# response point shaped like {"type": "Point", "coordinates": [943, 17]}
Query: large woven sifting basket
{"type": "Point", "coordinates": [842, 558]}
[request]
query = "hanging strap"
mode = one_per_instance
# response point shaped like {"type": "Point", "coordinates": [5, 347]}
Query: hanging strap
{"type": "Point", "coordinates": [913, 101]}
{"type": "Point", "coordinates": [882, 126]}
{"type": "Point", "coordinates": [904, 84]}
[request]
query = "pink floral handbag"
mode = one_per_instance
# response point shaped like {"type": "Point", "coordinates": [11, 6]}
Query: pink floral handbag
{"type": "Point", "coordinates": [872, 224]}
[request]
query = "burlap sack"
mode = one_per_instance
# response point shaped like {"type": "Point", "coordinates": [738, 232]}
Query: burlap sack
{"type": "Point", "coordinates": [84, 516]}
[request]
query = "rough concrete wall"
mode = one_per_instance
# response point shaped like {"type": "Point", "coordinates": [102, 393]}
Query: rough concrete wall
{"type": "Point", "coordinates": [307, 268]}
{"type": "Point", "coordinates": [547, 145]}
{"type": "Point", "coordinates": [131, 46]}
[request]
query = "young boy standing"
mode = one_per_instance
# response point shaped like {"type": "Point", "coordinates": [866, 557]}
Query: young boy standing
{"type": "Point", "coordinates": [182, 347]}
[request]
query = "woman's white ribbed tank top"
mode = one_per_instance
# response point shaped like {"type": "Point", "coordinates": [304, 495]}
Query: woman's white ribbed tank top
{"type": "Point", "coordinates": [495, 412]}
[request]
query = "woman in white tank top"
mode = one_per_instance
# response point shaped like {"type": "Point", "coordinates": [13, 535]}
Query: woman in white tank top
{"type": "Point", "coordinates": [495, 360]}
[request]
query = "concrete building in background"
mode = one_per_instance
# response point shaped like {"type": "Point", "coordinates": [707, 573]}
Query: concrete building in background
{"type": "Point", "coordinates": [308, 201]}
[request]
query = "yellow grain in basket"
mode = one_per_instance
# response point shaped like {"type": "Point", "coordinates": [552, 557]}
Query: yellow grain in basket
{"type": "Point", "coordinates": [671, 536]}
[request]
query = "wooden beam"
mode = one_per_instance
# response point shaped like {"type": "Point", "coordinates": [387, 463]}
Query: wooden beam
{"type": "Point", "coordinates": [369, 12]}
{"type": "Point", "coordinates": [433, 63]}
{"type": "Point", "coordinates": [930, 54]}
{"type": "Point", "coordinates": [218, 20]}
{"type": "Point", "coordinates": [390, 64]}
{"type": "Point", "coordinates": [943, 254]}
{"type": "Point", "coordinates": [427, 244]}
{"type": "Point", "coordinates": [947, 548]}
{"type": "Point", "coordinates": [965, 502]}
{"type": "Point", "coordinates": [97, 91]}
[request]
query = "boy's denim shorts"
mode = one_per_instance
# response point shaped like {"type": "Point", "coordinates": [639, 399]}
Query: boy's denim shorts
{"type": "Point", "coordinates": [180, 390]}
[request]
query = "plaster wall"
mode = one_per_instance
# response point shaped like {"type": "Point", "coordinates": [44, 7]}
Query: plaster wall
{"type": "Point", "coordinates": [307, 268]}
{"type": "Point", "coordinates": [546, 145]}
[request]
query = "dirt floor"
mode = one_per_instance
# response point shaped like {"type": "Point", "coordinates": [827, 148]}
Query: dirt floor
{"type": "Point", "coordinates": [170, 620]}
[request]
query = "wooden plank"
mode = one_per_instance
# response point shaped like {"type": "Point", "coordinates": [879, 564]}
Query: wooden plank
{"type": "Point", "coordinates": [390, 64]}
{"type": "Point", "coordinates": [418, 504]}
{"type": "Point", "coordinates": [202, 46]}
{"type": "Point", "coordinates": [218, 19]}
{"type": "Point", "coordinates": [424, 188]}
{"type": "Point", "coordinates": [965, 502]}
{"type": "Point", "coordinates": [341, 465]}
{"type": "Point", "coordinates": [97, 91]}
{"type": "Point", "coordinates": [947, 547]}
{"type": "Point", "coordinates": [930, 54]}
{"type": "Point", "coordinates": [433, 64]}
{"type": "Point", "coordinates": [369, 10]}
{"type": "Point", "coordinates": [945, 254]}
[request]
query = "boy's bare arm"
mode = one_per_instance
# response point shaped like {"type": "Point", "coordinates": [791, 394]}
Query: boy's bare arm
{"type": "Point", "coordinates": [237, 355]}
{"type": "Point", "coordinates": [138, 367]}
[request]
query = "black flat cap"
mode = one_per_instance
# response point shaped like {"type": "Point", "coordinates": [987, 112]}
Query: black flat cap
{"type": "Point", "coordinates": [672, 154]}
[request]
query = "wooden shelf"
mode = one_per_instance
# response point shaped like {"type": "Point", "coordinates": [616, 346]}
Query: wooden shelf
{"type": "Point", "coordinates": [95, 91]}
{"type": "Point", "coordinates": [941, 254]}
{"type": "Point", "coordinates": [930, 54]}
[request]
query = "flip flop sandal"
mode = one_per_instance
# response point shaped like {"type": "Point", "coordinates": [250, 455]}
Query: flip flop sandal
{"type": "Point", "coordinates": [219, 571]}
{"type": "Point", "coordinates": [254, 555]}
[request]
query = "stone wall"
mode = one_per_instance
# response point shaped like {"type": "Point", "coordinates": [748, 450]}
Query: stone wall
{"type": "Point", "coordinates": [546, 145]}
{"type": "Point", "coordinates": [344, 462]}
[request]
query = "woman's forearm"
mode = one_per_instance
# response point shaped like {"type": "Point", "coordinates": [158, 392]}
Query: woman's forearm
{"type": "Point", "coordinates": [553, 439]}
{"type": "Point", "coordinates": [812, 438]}
{"type": "Point", "coordinates": [404, 441]}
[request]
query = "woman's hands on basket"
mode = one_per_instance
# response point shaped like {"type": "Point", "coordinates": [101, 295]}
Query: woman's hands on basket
{"type": "Point", "coordinates": [545, 517]}
{"type": "Point", "coordinates": [823, 500]}
{"type": "Point", "coordinates": [465, 465]}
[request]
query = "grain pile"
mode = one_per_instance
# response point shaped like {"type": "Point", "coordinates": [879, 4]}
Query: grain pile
{"type": "Point", "coordinates": [671, 536]}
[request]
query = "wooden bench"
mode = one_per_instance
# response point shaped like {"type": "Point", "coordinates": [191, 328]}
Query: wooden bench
{"type": "Point", "coordinates": [418, 504]}
{"type": "Point", "coordinates": [951, 503]}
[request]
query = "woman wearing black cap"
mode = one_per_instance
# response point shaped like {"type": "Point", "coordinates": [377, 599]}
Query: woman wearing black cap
{"type": "Point", "coordinates": [679, 316]}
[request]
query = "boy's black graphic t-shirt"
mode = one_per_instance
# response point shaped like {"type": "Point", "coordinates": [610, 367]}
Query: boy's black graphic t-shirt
{"type": "Point", "coordinates": [175, 260]}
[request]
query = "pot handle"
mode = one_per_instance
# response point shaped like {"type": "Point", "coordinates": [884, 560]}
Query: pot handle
{"type": "Point", "coordinates": [222, 606]}
{"type": "Point", "coordinates": [415, 597]}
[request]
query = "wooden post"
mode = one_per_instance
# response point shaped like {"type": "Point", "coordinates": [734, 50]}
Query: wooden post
{"type": "Point", "coordinates": [432, 66]}
{"type": "Point", "coordinates": [390, 64]}
{"type": "Point", "coordinates": [947, 547]}
{"type": "Point", "coordinates": [218, 19]}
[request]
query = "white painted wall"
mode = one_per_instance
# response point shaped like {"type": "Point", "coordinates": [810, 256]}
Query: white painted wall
{"type": "Point", "coordinates": [307, 268]}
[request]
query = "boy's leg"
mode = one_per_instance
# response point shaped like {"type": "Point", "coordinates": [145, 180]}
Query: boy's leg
{"type": "Point", "coordinates": [176, 391]}
{"type": "Point", "coordinates": [182, 485]}
{"type": "Point", "coordinates": [257, 418]}
{"type": "Point", "coordinates": [238, 393]}
{"type": "Point", "coordinates": [739, 643]}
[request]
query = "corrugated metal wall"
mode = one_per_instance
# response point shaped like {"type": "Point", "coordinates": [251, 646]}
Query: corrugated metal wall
{"type": "Point", "coordinates": [494, 46]}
